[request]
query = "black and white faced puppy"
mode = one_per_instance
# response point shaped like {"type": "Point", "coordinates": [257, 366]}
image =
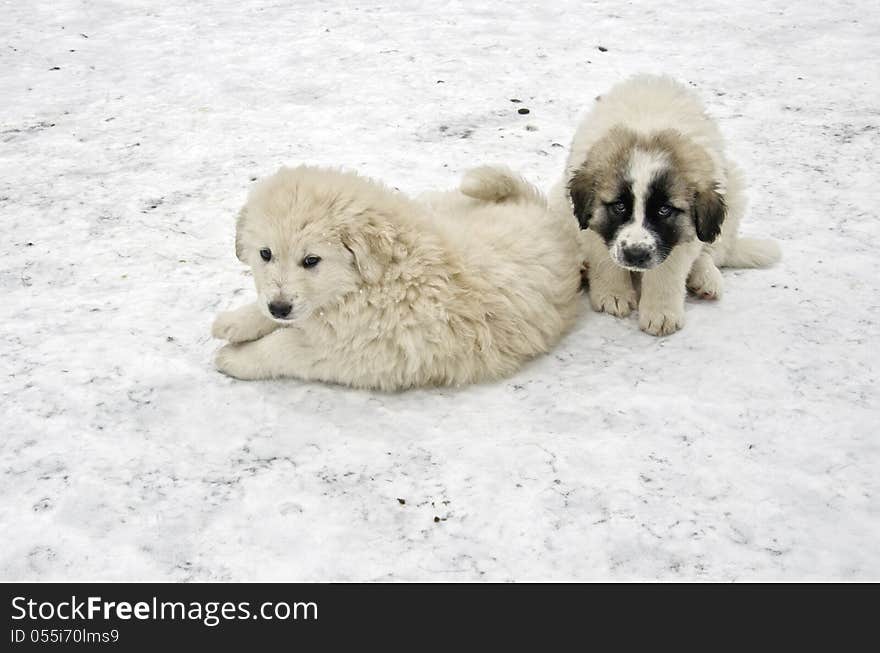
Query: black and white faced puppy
{"type": "Point", "coordinates": [646, 195]}
{"type": "Point", "coordinates": [648, 181]}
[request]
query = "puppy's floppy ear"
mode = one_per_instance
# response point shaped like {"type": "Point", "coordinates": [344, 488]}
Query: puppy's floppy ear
{"type": "Point", "coordinates": [709, 210]}
{"type": "Point", "coordinates": [239, 227]}
{"type": "Point", "coordinates": [372, 245]}
{"type": "Point", "coordinates": [581, 189]}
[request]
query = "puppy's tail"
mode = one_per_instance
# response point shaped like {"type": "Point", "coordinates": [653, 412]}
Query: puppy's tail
{"type": "Point", "coordinates": [752, 253]}
{"type": "Point", "coordinates": [499, 184]}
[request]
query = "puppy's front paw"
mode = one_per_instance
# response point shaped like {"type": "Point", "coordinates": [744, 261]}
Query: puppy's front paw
{"type": "Point", "coordinates": [620, 304]}
{"type": "Point", "coordinates": [660, 321]}
{"type": "Point", "coordinates": [234, 361]}
{"type": "Point", "coordinates": [707, 283]}
{"type": "Point", "coordinates": [232, 327]}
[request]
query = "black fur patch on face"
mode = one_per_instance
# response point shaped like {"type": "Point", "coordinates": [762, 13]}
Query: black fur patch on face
{"type": "Point", "coordinates": [666, 227]}
{"type": "Point", "coordinates": [613, 221]}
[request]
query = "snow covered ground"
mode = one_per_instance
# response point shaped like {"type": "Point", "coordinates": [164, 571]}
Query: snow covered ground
{"type": "Point", "coordinates": [744, 447]}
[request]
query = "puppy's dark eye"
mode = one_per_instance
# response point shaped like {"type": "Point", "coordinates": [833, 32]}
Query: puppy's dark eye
{"type": "Point", "coordinates": [619, 208]}
{"type": "Point", "coordinates": [664, 211]}
{"type": "Point", "coordinates": [266, 254]}
{"type": "Point", "coordinates": [311, 261]}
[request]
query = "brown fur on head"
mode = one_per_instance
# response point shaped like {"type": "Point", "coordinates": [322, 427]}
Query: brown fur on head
{"type": "Point", "coordinates": [601, 174]}
{"type": "Point", "coordinates": [697, 173]}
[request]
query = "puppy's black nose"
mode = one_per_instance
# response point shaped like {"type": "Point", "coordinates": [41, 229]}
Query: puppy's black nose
{"type": "Point", "coordinates": [637, 256]}
{"type": "Point", "coordinates": [280, 309]}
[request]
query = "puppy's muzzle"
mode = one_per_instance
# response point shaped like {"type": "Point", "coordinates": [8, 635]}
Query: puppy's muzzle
{"type": "Point", "coordinates": [280, 310]}
{"type": "Point", "coordinates": [637, 256]}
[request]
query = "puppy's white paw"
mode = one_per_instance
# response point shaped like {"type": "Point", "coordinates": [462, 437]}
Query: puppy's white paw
{"type": "Point", "coordinates": [706, 283]}
{"type": "Point", "coordinates": [617, 303]}
{"type": "Point", "coordinates": [660, 321]}
{"type": "Point", "coordinates": [234, 327]}
{"type": "Point", "coordinates": [234, 361]}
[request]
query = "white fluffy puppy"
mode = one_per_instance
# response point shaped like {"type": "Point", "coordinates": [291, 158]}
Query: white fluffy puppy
{"type": "Point", "coordinates": [362, 286]}
{"type": "Point", "coordinates": [648, 178]}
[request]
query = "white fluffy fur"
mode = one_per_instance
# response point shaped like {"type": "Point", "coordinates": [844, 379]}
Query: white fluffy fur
{"type": "Point", "coordinates": [647, 105]}
{"type": "Point", "coordinates": [451, 289]}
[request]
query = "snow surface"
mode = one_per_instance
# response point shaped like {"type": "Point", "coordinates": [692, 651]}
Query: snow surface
{"type": "Point", "coordinates": [741, 448]}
